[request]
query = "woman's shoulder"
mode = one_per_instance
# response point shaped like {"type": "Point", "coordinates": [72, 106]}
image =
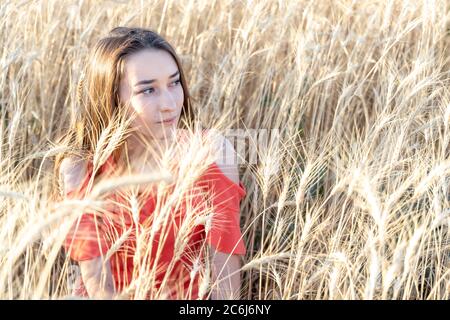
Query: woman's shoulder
{"type": "Point", "coordinates": [225, 157]}
{"type": "Point", "coordinates": [72, 171]}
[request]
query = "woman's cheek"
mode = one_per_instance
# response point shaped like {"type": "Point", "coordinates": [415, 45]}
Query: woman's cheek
{"type": "Point", "coordinates": [139, 105]}
{"type": "Point", "coordinates": [180, 97]}
{"type": "Point", "coordinates": [141, 108]}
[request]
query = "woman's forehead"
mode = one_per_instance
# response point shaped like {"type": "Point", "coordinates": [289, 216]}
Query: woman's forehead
{"type": "Point", "coordinates": [149, 65]}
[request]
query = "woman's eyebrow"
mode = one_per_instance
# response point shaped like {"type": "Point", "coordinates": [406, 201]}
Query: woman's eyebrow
{"type": "Point", "coordinates": [153, 80]}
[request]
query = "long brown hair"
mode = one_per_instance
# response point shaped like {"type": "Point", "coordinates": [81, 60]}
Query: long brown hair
{"type": "Point", "coordinates": [98, 91]}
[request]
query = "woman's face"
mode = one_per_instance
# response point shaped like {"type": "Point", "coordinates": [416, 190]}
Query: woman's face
{"type": "Point", "coordinates": [152, 87]}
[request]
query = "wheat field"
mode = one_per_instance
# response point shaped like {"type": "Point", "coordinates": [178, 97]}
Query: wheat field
{"type": "Point", "coordinates": [358, 205]}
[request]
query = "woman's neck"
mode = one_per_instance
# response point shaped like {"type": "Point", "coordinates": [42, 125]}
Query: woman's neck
{"type": "Point", "coordinates": [142, 153]}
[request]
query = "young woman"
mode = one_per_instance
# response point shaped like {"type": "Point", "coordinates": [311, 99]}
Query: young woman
{"type": "Point", "coordinates": [138, 70]}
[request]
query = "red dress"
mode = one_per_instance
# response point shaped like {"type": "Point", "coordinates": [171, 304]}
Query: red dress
{"type": "Point", "coordinates": [96, 234]}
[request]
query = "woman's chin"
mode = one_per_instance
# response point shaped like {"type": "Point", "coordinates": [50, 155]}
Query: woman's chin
{"type": "Point", "coordinates": [166, 133]}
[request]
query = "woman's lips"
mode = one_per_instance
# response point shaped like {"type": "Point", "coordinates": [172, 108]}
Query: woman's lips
{"type": "Point", "coordinates": [169, 121]}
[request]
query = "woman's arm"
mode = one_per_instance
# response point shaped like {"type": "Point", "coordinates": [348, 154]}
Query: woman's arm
{"type": "Point", "coordinates": [97, 278]}
{"type": "Point", "coordinates": [226, 268]}
{"type": "Point", "coordinates": [71, 173]}
{"type": "Point", "coordinates": [226, 276]}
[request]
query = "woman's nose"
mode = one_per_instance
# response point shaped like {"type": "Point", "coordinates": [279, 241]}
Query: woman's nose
{"type": "Point", "coordinates": [167, 102]}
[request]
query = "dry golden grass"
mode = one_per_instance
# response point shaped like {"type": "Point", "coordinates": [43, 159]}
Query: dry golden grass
{"type": "Point", "coordinates": [359, 91]}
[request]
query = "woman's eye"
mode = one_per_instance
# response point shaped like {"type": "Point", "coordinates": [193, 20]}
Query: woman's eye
{"type": "Point", "coordinates": [177, 82]}
{"type": "Point", "coordinates": [145, 90]}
